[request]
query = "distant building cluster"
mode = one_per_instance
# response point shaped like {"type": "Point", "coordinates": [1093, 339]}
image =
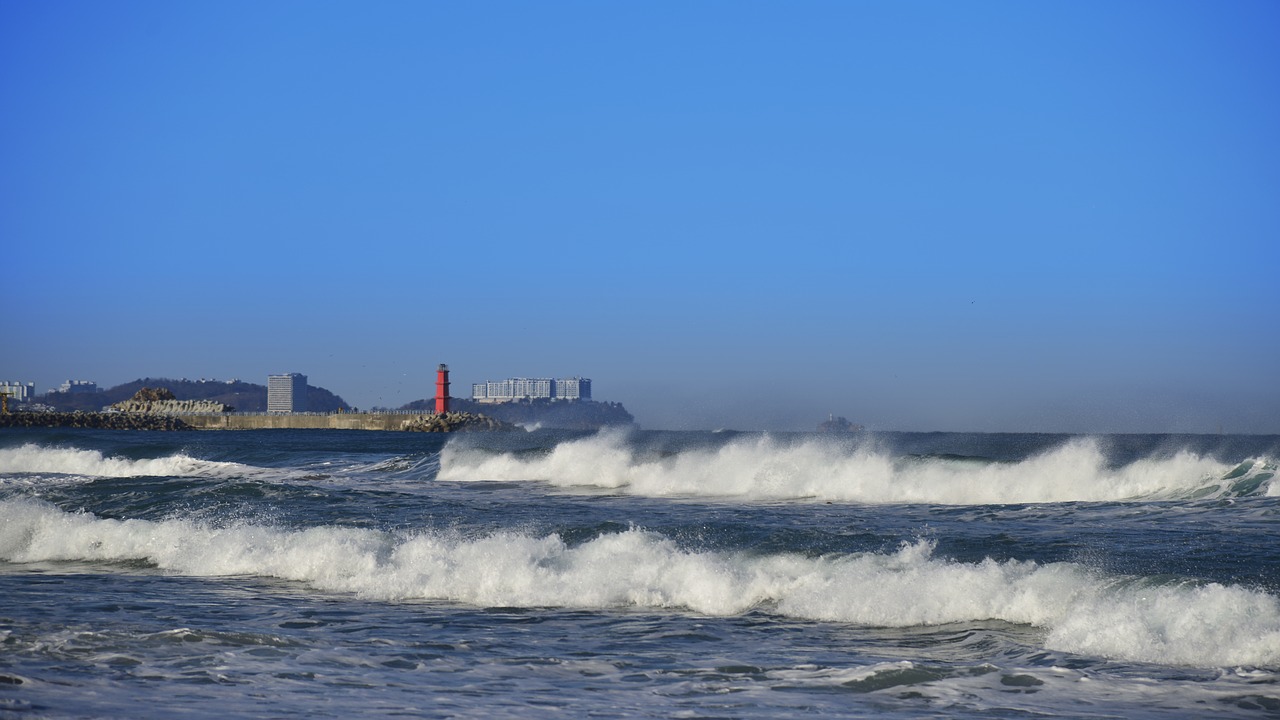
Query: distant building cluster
{"type": "Point", "coordinates": [18, 392]}
{"type": "Point", "coordinates": [513, 389]}
{"type": "Point", "coordinates": [287, 393]}
{"type": "Point", "coordinates": [79, 387]}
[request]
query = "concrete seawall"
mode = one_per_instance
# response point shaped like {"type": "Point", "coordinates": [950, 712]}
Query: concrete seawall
{"type": "Point", "coordinates": [337, 421]}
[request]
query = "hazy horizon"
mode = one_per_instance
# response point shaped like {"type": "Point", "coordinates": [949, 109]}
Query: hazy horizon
{"type": "Point", "coordinates": [989, 216]}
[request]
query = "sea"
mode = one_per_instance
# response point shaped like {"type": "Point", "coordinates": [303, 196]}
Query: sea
{"type": "Point", "coordinates": [630, 573]}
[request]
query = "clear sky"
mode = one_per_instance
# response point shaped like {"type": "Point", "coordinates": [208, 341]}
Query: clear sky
{"type": "Point", "coordinates": [992, 216]}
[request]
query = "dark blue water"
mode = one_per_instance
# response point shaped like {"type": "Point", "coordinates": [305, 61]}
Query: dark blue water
{"type": "Point", "coordinates": [639, 574]}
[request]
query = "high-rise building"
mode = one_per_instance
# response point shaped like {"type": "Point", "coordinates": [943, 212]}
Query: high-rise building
{"type": "Point", "coordinates": [287, 393]}
{"type": "Point", "coordinates": [574, 388]}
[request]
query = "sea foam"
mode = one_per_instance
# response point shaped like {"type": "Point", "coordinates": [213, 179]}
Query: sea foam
{"type": "Point", "coordinates": [766, 469]}
{"type": "Point", "coordinates": [1081, 610]}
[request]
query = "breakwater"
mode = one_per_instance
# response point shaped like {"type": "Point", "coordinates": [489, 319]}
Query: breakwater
{"type": "Point", "coordinates": [100, 421]}
{"type": "Point", "coordinates": [448, 422]}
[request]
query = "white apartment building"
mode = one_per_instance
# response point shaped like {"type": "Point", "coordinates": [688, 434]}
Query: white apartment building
{"type": "Point", "coordinates": [17, 391]}
{"type": "Point", "coordinates": [574, 388]}
{"type": "Point", "coordinates": [287, 393]}
{"type": "Point", "coordinates": [79, 386]}
{"type": "Point", "coordinates": [513, 389]}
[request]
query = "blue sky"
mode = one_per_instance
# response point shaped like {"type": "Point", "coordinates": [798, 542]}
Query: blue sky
{"type": "Point", "coordinates": [992, 216]}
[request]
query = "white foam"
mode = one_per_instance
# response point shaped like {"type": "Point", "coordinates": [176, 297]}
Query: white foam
{"type": "Point", "coordinates": [1173, 624]}
{"type": "Point", "coordinates": [1082, 611]}
{"type": "Point", "coordinates": [763, 468]}
{"type": "Point", "coordinates": [91, 463]}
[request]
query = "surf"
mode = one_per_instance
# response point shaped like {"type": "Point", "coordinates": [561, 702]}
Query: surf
{"type": "Point", "coordinates": [764, 468]}
{"type": "Point", "coordinates": [1170, 621]}
{"type": "Point", "coordinates": [42, 460]}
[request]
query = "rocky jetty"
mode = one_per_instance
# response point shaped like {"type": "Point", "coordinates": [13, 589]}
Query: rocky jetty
{"type": "Point", "coordinates": [99, 421]}
{"type": "Point", "coordinates": [161, 401]}
{"type": "Point", "coordinates": [147, 394]}
{"type": "Point", "coordinates": [456, 422]}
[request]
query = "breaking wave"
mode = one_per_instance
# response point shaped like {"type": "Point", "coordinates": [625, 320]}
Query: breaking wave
{"type": "Point", "coordinates": [91, 463]}
{"type": "Point", "coordinates": [766, 469]}
{"type": "Point", "coordinates": [1080, 610]}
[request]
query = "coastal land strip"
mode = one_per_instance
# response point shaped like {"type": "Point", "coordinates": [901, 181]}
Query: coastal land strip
{"type": "Point", "coordinates": [446, 422]}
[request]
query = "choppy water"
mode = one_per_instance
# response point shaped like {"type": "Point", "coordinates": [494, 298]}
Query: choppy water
{"type": "Point", "coordinates": [638, 574]}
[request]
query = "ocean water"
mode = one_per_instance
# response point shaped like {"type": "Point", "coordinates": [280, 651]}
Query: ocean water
{"type": "Point", "coordinates": [638, 574]}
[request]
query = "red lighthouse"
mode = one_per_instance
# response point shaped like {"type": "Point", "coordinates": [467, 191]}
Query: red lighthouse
{"type": "Point", "coordinates": [442, 389]}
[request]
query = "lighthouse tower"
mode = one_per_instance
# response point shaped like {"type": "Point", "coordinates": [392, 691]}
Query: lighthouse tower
{"type": "Point", "coordinates": [442, 389]}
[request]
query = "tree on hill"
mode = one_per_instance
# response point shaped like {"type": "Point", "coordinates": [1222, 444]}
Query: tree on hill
{"type": "Point", "coordinates": [243, 396]}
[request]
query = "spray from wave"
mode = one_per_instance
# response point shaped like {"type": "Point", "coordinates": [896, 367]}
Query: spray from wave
{"type": "Point", "coordinates": [91, 463]}
{"type": "Point", "coordinates": [1141, 619]}
{"type": "Point", "coordinates": [765, 469]}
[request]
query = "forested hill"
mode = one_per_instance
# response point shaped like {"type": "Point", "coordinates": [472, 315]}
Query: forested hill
{"type": "Point", "coordinates": [573, 415]}
{"type": "Point", "coordinates": [243, 396]}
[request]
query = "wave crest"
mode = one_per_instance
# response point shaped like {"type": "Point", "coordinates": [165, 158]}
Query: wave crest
{"type": "Point", "coordinates": [1085, 612]}
{"type": "Point", "coordinates": [32, 458]}
{"type": "Point", "coordinates": [766, 469]}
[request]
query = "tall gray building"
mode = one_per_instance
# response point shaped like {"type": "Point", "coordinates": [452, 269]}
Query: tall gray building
{"type": "Point", "coordinates": [287, 393]}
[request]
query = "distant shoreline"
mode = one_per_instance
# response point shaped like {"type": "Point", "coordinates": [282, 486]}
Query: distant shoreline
{"type": "Point", "coordinates": [395, 422]}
